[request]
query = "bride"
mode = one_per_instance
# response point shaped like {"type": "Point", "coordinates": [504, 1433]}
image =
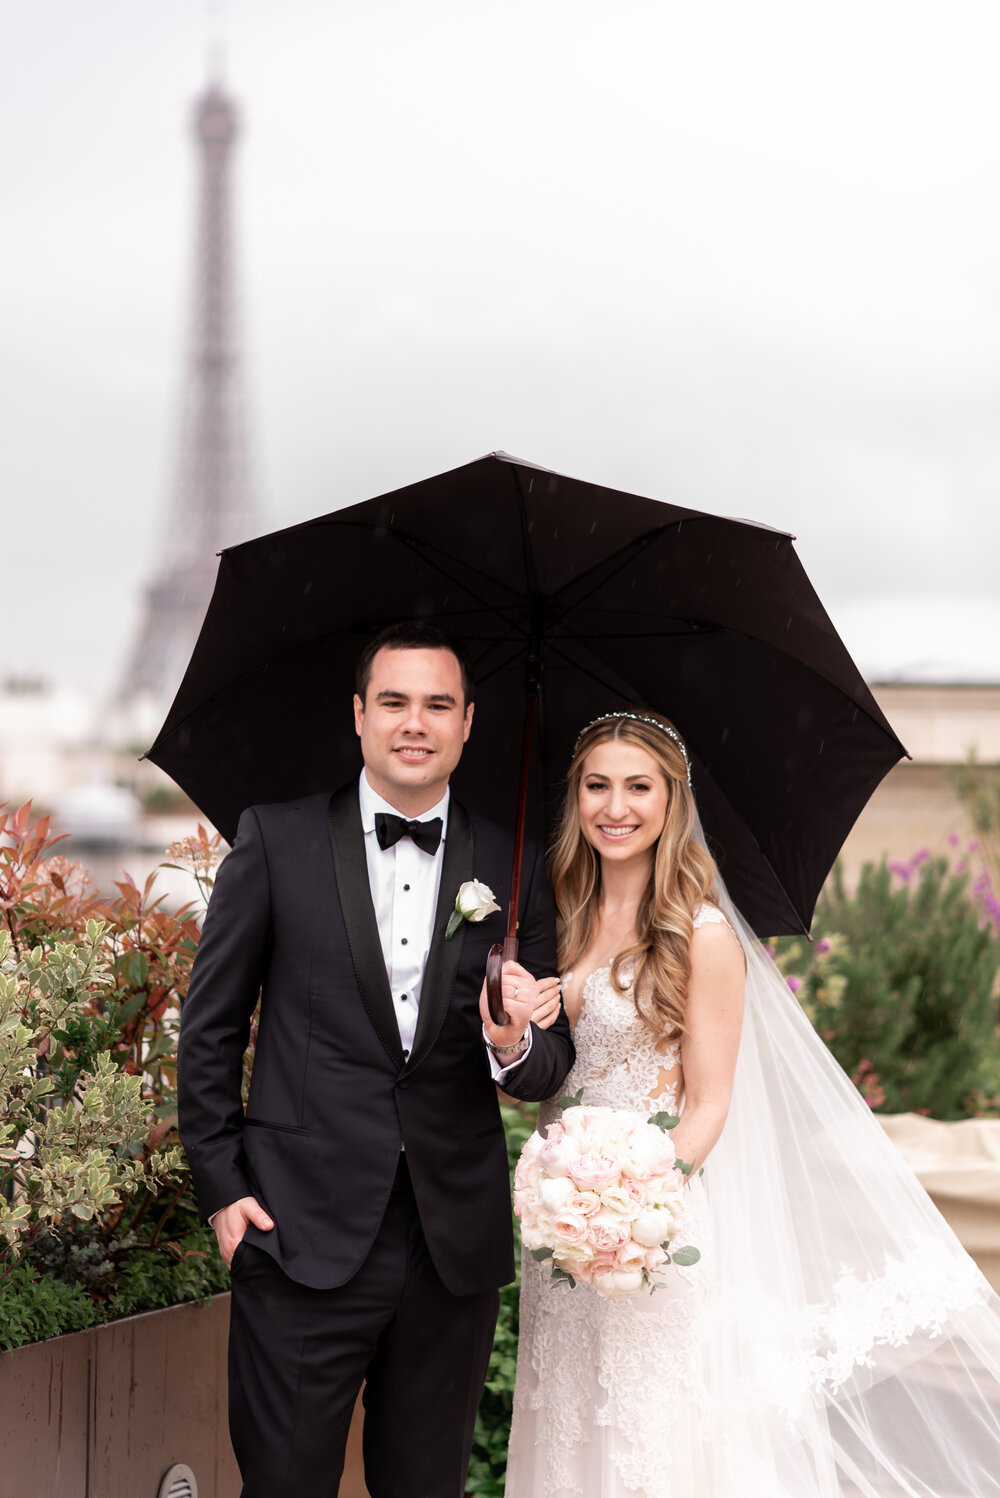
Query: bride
{"type": "Point", "coordinates": [833, 1340]}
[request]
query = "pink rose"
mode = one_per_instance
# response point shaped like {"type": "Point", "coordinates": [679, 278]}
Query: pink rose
{"type": "Point", "coordinates": [654, 1257]}
{"type": "Point", "coordinates": [592, 1171]}
{"type": "Point", "coordinates": [582, 1273]}
{"type": "Point", "coordinates": [635, 1190]}
{"type": "Point", "coordinates": [571, 1227]}
{"type": "Point", "coordinates": [607, 1231]}
{"type": "Point", "coordinates": [558, 1156]}
{"type": "Point", "coordinates": [585, 1202]}
{"type": "Point", "coordinates": [525, 1200]}
{"type": "Point", "coordinates": [630, 1256]}
{"type": "Point", "coordinates": [524, 1172]}
{"type": "Point", "coordinates": [669, 1185]}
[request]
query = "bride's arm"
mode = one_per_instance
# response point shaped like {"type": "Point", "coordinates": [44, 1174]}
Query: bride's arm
{"type": "Point", "coordinates": [711, 1041]}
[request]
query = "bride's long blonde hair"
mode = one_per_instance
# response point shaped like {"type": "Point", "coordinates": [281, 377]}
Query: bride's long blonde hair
{"type": "Point", "coordinates": [683, 876]}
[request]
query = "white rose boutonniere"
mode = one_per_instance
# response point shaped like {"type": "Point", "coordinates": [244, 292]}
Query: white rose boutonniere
{"type": "Point", "coordinates": [474, 902]}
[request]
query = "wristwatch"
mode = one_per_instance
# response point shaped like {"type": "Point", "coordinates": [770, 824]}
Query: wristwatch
{"type": "Point", "coordinates": [517, 1049]}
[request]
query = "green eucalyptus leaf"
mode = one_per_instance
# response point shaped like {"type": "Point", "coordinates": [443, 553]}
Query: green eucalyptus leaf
{"type": "Point", "coordinates": [686, 1256]}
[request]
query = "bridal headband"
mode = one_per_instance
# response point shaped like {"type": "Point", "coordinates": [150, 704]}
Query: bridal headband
{"type": "Point", "coordinates": [640, 718]}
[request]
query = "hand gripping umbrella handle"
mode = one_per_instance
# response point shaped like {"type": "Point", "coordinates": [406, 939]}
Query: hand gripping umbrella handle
{"type": "Point", "coordinates": [500, 952]}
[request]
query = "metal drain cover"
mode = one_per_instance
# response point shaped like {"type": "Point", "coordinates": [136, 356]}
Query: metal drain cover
{"type": "Point", "coordinates": [179, 1482]}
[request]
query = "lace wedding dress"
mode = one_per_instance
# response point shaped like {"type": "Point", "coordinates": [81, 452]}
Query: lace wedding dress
{"type": "Point", "coordinates": [609, 1400]}
{"type": "Point", "coordinates": [833, 1341]}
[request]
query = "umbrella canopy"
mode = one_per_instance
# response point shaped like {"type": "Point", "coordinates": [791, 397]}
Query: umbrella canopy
{"type": "Point", "coordinates": [623, 600]}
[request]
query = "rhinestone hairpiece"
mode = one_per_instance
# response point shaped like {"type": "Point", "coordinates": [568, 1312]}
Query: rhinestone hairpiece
{"type": "Point", "coordinates": [640, 718]}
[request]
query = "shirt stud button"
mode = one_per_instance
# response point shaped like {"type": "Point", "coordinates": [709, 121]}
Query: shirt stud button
{"type": "Point", "coordinates": [406, 886]}
{"type": "Point", "coordinates": [402, 940]}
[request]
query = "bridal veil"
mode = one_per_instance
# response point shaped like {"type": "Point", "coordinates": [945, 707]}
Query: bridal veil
{"type": "Point", "coordinates": [852, 1347]}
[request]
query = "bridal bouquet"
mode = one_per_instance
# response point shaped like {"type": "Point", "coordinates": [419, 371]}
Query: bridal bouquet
{"type": "Point", "coordinates": [602, 1197]}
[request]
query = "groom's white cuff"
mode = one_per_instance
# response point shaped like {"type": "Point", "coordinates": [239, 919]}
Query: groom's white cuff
{"type": "Point", "coordinates": [498, 1072]}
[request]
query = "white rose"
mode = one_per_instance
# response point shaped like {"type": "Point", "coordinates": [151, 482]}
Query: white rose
{"type": "Point", "coordinates": [534, 1235]}
{"type": "Point", "coordinates": [476, 900]}
{"type": "Point", "coordinates": [554, 1194]}
{"type": "Point", "coordinates": [576, 1124]}
{"type": "Point", "coordinates": [614, 1283]}
{"type": "Point", "coordinates": [571, 1256]}
{"type": "Point", "coordinates": [652, 1227]}
{"type": "Point", "coordinates": [617, 1199]}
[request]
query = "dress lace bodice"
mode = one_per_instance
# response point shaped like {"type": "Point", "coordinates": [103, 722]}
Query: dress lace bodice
{"type": "Point", "coordinates": [620, 1058]}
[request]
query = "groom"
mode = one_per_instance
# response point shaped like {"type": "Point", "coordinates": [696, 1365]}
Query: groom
{"type": "Point", "coordinates": [362, 1199]}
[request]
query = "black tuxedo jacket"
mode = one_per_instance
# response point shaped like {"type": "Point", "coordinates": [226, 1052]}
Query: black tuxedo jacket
{"type": "Point", "coordinates": [332, 1099]}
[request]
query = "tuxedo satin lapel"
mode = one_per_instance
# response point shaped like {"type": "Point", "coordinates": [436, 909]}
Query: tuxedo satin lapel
{"type": "Point", "coordinates": [347, 839]}
{"type": "Point", "coordinates": [444, 956]}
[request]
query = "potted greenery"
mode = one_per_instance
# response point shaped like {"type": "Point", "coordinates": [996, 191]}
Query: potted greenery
{"type": "Point", "coordinates": [97, 1218]}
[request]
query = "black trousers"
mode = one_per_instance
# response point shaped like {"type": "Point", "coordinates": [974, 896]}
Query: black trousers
{"type": "Point", "coordinates": [298, 1356]}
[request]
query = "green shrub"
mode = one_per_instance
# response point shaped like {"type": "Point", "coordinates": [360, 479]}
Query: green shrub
{"type": "Point", "coordinates": [901, 982]}
{"type": "Point", "coordinates": [97, 1217]}
{"type": "Point", "coordinates": [34, 1307]}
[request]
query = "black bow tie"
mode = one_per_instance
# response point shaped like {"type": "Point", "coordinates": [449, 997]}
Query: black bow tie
{"type": "Point", "coordinates": [389, 829]}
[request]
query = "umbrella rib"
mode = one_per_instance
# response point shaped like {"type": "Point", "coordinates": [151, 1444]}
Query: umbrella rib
{"type": "Point", "coordinates": [498, 609]}
{"type": "Point", "coordinates": [616, 690]}
{"type": "Point", "coordinates": [623, 556]}
{"type": "Point", "coordinates": [515, 656]}
{"type": "Point", "coordinates": [426, 548]}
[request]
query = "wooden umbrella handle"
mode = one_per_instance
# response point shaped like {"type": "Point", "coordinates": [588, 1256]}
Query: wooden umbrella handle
{"type": "Point", "coordinates": [500, 952]}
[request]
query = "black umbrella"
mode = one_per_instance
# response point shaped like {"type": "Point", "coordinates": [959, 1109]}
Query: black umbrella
{"type": "Point", "coordinates": [612, 599]}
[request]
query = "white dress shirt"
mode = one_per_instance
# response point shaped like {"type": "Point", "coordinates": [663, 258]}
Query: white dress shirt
{"type": "Point", "coordinates": [405, 883]}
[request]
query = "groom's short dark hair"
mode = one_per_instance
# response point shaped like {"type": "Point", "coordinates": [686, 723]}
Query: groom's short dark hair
{"type": "Point", "coordinates": [414, 634]}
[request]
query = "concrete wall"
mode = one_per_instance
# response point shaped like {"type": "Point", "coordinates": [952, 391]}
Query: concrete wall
{"type": "Point", "coordinates": [915, 806]}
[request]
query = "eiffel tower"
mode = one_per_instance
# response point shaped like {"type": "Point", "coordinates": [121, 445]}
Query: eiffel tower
{"type": "Point", "coordinates": [211, 505]}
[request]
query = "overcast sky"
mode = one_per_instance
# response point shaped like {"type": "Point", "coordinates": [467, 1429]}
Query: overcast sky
{"type": "Point", "coordinates": [740, 256]}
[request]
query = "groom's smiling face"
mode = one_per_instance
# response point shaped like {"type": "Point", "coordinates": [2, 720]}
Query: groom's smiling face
{"type": "Point", "coordinates": [412, 725]}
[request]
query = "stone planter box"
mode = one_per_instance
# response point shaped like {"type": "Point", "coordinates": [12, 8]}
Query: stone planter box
{"type": "Point", "coordinates": [106, 1413]}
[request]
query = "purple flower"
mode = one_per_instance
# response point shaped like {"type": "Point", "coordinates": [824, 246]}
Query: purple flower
{"type": "Point", "coordinates": [822, 946]}
{"type": "Point", "coordinates": [795, 984]}
{"type": "Point", "coordinates": [974, 845]}
{"type": "Point", "coordinates": [901, 871]}
{"type": "Point", "coordinates": [961, 867]}
{"type": "Point", "coordinates": [921, 856]}
{"type": "Point", "coordinates": [953, 840]}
